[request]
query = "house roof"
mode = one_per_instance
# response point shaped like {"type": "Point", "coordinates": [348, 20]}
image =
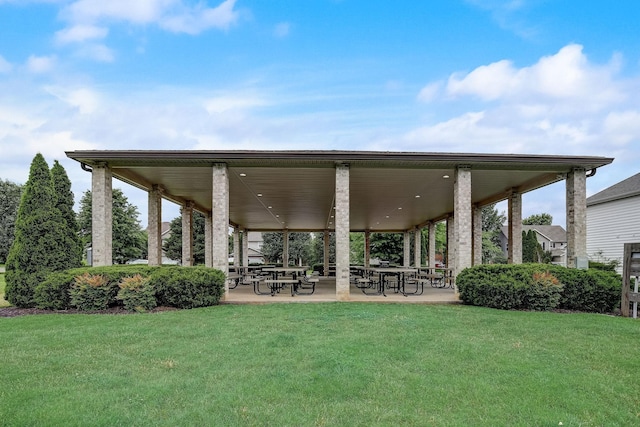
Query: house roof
{"type": "Point", "coordinates": [627, 188]}
{"type": "Point", "coordinates": [555, 233]}
{"type": "Point", "coordinates": [388, 191]}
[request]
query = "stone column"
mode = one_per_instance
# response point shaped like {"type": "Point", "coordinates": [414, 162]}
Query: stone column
{"type": "Point", "coordinates": [208, 239]}
{"type": "Point", "coordinates": [406, 250]}
{"type": "Point", "coordinates": [463, 222]}
{"type": "Point", "coordinates": [220, 220]}
{"type": "Point", "coordinates": [417, 248]}
{"type": "Point", "coordinates": [576, 199]}
{"type": "Point", "coordinates": [285, 248]}
{"type": "Point", "coordinates": [367, 248]}
{"type": "Point", "coordinates": [477, 235]}
{"type": "Point", "coordinates": [450, 249]}
{"type": "Point", "coordinates": [432, 245]}
{"type": "Point", "coordinates": [245, 247]}
{"type": "Point", "coordinates": [154, 219]}
{"type": "Point", "coordinates": [342, 232]}
{"type": "Point", "coordinates": [236, 247]}
{"type": "Point", "coordinates": [326, 246]}
{"type": "Point", "coordinates": [187, 234]}
{"type": "Point", "coordinates": [514, 251]}
{"type": "Point", "coordinates": [101, 216]}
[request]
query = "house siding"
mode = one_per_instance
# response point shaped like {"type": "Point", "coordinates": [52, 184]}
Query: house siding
{"type": "Point", "coordinates": [610, 225]}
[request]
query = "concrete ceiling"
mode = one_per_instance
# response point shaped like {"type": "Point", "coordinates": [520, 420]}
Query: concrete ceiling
{"type": "Point", "coordinates": [389, 191]}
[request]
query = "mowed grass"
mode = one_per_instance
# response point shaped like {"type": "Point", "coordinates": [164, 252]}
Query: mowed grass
{"type": "Point", "coordinates": [333, 364]}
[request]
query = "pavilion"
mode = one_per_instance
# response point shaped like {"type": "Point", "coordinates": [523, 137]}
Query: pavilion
{"type": "Point", "coordinates": [336, 191]}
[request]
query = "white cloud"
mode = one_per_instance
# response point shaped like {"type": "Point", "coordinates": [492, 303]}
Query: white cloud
{"type": "Point", "coordinates": [172, 15]}
{"type": "Point", "coordinates": [282, 30]}
{"type": "Point", "coordinates": [40, 64]}
{"type": "Point", "coordinates": [5, 66]}
{"type": "Point", "coordinates": [81, 33]}
{"type": "Point", "coordinates": [86, 100]}
{"type": "Point", "coordinates": [222, 104]}
{"type": "Point", "coordinates": [430, 92]}
{"type": "Point", "coordinates": [566, 77]}
{"type": "Point", "coordinates": [96, 52]}
{"type": "Point", "coordinates": [194, 20]}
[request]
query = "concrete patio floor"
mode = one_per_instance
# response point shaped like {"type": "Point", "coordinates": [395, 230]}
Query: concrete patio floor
{"type": "Point", "coordinates": [326, 292]}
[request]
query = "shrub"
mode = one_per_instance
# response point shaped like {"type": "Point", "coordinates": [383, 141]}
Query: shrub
{"type": "Point", "coordinates": [54, 292]}
{"type": "Point", "coordinates": [188, 287]}
{"type": "Point", "coordinates": [92, 292]}
{"type": "Point", "coordinates": [180, 287]}
{"type": "Point", "coordinates": [136, 293]}
{"type": "Point", "coordinates": [540, 287]}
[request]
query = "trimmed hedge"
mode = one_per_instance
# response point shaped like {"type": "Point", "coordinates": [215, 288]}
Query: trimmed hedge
{"type": "Point", "coordinates": [180, 287]}
{"type": "Point", "coordinates": [540, 287]}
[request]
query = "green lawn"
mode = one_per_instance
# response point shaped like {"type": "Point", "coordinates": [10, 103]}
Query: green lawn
{"type": "Point", "coordinates": [332, 364]}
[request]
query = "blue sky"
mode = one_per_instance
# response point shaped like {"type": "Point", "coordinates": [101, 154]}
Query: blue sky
{"type": "Point", "coordinates": [476, 76]}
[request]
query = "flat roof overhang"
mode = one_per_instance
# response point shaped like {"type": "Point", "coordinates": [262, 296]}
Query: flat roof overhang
{"type": "Point", "coordinates": [389, 191]}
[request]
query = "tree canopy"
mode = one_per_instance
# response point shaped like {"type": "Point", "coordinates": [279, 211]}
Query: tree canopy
{"type": "Point", "coordinates": [10, 194]}
{"type": "Point", "coordinates": [173, 245]}
{"type": "Point", "coordinates": [538, 219]}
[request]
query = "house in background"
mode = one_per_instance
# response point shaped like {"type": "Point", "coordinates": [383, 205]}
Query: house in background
{"type": "Point", "coordinates": [254, 248]}
{"type": "Point", "coordinates": [551, 238]}
{"type": "Point", "coordinates": [613, 219]}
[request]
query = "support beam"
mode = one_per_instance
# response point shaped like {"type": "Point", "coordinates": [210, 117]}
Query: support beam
{"type": "Point", "coordinates": [431, 255]}
{"type": "Point", "coordinates": [187, 234]}
{"type": "Point", "coordinates": [285, 248]}
{"type": "Point", "coordinates": [576, 199]}
{"type": "Point", "coordinates": [245, 247]}
{"type": "Point", "coordinates": [208, 239]}
{"type": "Point", "coordinates": [101, 216]}
{"type": "Point", "coordinates": [514, 251]}
{"type": "Point", "coordinates": [450, 254]}
{"type": "Point", "coordinates": [236, 247]}
{"type": "Point", "coordinates": [154, 229]}
{"type": "Point", "coordinates": [477, 235]}
{"type": "Point", "coordinates": [406, 251]}
{"type": "Point", "coordinates": [342, 232]}
{"type": "Point", "coordinates": [326, 246]}
{"type": "Point", "coordinates": [367, 248]}
{"type": "Point", "coordinates": [417, 248]}
{"type": "Point", "coordinates": [220, 220]}
{"type": "Point", "coordinates": [463, 221]}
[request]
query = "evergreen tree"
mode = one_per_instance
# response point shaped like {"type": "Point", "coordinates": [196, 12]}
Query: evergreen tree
{"type": "Point", "coordinates": [10, 194]}
{"type": "Point", "coordinates": [41, 242]}
{"type": "Point", "coordinates": [272, 245]}
{"type": "Point", "coordinates": [63, 200]}
{"type": "Point", "coordinates": [173, 245]}
{"type": "Point", "coordinates": [387, 247]}
{"type": "Point", "coordinates": [529, 246]}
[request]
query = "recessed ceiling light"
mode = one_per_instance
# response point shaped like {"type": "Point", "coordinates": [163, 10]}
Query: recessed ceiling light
{"type": "Point", "coordinates": [259, 194]}
{"type": "Point", "coordinates": [269, 207]}
{"type": "Point", "coordinates": [400, 208]}
{"type": "Point", "coordinates": [243, 174]}
{"type": "Point", "coordinates": [445, 176]}
{"type": "Point", "coordinates": [387, 216]}
{"type": "Point", "coordinates": [277, 216]}
{"type": "Point", "coordinates": [417, 196]}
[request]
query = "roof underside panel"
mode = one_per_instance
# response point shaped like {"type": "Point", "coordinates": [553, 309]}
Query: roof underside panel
{"type": "Point", "coordinates": [389, 191]}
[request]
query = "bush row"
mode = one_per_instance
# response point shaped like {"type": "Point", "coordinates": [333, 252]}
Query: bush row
{"type": "Point", "coordinates": [540, 287]}
{"type": "Point", "coordinates": [136, 287]}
